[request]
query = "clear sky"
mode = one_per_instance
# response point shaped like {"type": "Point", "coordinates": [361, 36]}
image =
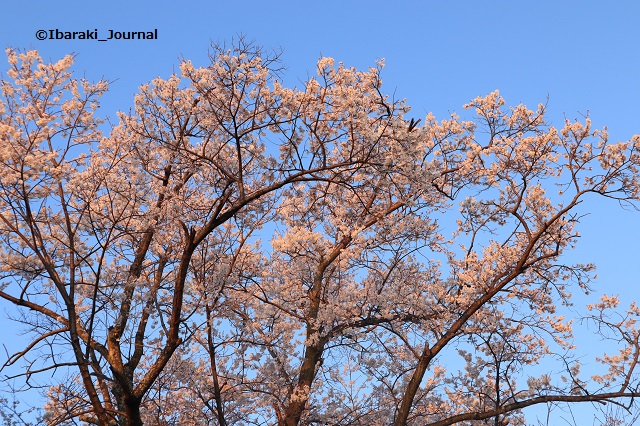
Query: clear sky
{"type": "Point", "coordinates": [583, 55]}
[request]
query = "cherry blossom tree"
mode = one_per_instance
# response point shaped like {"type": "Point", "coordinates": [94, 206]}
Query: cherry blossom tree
{"type": "Point", "coordinates": [236, 252]}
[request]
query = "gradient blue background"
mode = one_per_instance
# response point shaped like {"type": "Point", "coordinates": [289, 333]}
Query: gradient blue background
{"type": "Point", "coordinates": [583, 55]}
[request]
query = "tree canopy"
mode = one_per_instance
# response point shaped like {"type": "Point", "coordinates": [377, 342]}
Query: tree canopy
{"type": "Point", "coordinates": [235, 252]}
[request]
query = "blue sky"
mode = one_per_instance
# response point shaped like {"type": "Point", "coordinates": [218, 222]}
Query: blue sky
{"type": "Point", "coordinates": [583, 55]}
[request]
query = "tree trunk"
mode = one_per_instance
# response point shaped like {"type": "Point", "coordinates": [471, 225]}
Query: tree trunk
{"type": "Point", "coordinates": [300, 396]}
{"type": "Point", "coordinates": [412, 387]}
